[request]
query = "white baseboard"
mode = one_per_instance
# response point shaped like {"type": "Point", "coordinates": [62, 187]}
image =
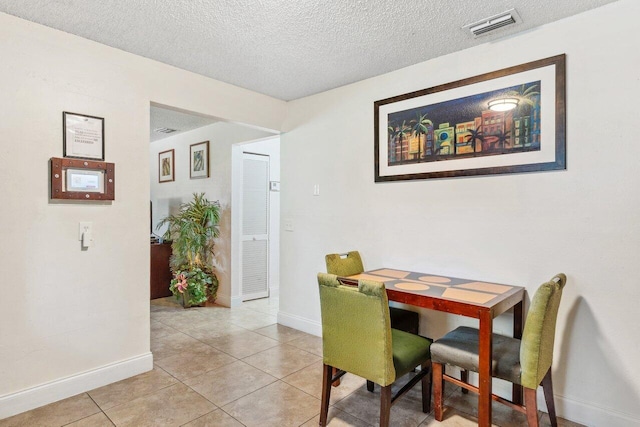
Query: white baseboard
{"type": "Point", "coordinates": [300, 323]}
{"type": "Point", "coordinates": [589, 414]}
{"type": "Point", "coordinates": [31, 398]}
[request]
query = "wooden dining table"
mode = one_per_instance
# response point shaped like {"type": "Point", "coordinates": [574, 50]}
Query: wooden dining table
{"type": "Point", "coordinates": [466, 297]}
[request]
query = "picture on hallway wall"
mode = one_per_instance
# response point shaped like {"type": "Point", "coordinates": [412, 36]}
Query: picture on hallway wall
{"type": "Point", "coordinates": [166, 166]}
{"type": "Point", "coordinates": [199, 160]}
{"type": "Point", "coordinates": [507, 121]}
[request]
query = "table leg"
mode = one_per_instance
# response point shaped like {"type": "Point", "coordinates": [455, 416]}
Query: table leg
{"type": "Point", "coordinates": [484, 369]}
{"type": "Point", "coordinates": [518, 320]}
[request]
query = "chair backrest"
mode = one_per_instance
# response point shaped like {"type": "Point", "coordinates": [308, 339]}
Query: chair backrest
{"type": "Point", "coordinates": [536, 349]}
{"type": "Point", "coordinates": [356, 330]}
{"type": "Point", "coordinates": [347, 266]}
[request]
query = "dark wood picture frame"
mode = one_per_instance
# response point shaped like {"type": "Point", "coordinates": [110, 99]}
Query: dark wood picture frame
{"type": "Point", "coordinates": [60, 168]}
{"type": "Point", "coordinates": [166, 163]}
{"type": "Point", "coordinates": [199, 160]}
{"type": "Point", "coordinates": [90, 137]}
{"type": "Point", "coordinates": [396, 161]}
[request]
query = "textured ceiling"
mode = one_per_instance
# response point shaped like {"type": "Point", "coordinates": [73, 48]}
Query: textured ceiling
{"type": "Point", "coordinates": [288, 49]}
{"type": "Point", "coordinates": [181, 122]}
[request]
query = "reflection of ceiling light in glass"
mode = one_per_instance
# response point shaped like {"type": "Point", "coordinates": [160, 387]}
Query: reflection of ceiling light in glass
{"type": "Point", "coordinates": [503, 104]}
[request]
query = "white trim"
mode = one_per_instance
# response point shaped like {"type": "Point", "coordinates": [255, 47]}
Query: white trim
{"type": "Point", "coordinates": [236, 301]}
{"type": "Point", "coordinates": [587, 413]}
{"type": "Point", "coordinates": [34, 397]}
{"type": "Point", "coordinates": [300, 323]}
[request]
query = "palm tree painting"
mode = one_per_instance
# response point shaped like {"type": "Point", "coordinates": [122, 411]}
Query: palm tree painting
{"type": "Point", "coordinates": [421, 126]}
{"type": "Point", "coordinates": [479, 130]}
{"type": "Point", "coordinates": [397, 136]}
{"type": "Point", "coordinates": [475, 138]}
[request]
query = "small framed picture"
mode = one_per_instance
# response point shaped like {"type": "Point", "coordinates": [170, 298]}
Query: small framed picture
{"type": "Point", "coordinates": [83, 136]}
{"type": "Point", "coordinates": [199, 160]}
{"type": "Point", "coordinates": [166, 166]}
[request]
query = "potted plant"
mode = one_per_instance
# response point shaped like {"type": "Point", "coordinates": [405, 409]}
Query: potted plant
{"type": "Point", "coordinates": [192, 232]}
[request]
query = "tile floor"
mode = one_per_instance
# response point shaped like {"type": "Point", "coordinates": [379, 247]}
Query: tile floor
{"type": "Point", "coordinates": [216, 366]}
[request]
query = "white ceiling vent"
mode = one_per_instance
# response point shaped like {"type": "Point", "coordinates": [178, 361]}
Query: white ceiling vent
{"type": "Point", "coordinates": [165, 130]}
{"type": "Point", "coordinates": [494, 22]}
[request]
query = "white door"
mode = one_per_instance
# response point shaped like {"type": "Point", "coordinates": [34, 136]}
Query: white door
{"type": "Point", "coordinates": [255, 226]}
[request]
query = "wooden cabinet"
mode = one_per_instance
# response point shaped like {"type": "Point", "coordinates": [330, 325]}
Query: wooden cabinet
{"type": "Point", "coordinates": [160, 272]}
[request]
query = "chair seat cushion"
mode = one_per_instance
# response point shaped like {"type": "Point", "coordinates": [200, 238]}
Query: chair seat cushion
{"type": "Point", "coordinates": [409, 351]}
{"type": "Point", "coordinates": [460, 348]}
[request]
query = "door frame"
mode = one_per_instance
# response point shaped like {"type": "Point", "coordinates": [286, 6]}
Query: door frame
{"type": "Point", "coordinates": [236, 229]}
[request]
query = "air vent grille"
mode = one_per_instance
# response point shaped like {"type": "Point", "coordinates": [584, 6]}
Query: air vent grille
{"type": "Point", "coordinates": [165, 130]}
{"type": "Point", "coordinates": [493, 23]}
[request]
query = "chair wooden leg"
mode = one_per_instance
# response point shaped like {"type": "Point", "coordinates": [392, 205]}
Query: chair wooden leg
{"type": "Point", "coordinates": [326, 393]}
{"type": "Point", "coordinates": [464, 377]}
{"type": "Point", "coordinates": [385, 405]}
{"type": "Point", "coordinates": [370, 386]}
{"type": "Point", "coordinates": [547, 387]}
{"type": "Point", "coordinates": [334, 372]}
{"type": "Point", "coordinates": [531, 404]}
{"type": "Point", "coordinates": [426, 388]}
{"type": "Point", "coordinates": [436, 370]}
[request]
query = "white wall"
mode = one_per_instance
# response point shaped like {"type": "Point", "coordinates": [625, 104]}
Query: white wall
{"type": "Point", "coordinates": [518, 229]}
{"type": "Point", "coordinates": [167, 196]}
{"type": "Point", "coordinates": [73, 320]}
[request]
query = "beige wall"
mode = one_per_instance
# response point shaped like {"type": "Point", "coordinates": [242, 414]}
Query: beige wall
{"type": "Point", "coordinates": [72, 320]}
{"type": "Point", "coordinates": [519, 229]}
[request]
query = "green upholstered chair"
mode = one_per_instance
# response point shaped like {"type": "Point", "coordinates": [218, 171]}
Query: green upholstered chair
{"type": "Point", "coordinates": [357, 337]}
{"type": "Point", "coordinates": [350, 264]}
{"type": "Point", "coordinates": [526, 362]}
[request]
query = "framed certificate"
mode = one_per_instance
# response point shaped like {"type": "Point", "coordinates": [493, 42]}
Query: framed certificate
{"type": "Point", "coordinates": [83, 136]}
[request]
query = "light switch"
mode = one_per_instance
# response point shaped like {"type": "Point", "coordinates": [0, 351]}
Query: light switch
{"type": "Point", "coordinates": [85, 234]}
{"type": "Point", "coordinates": [84, 226]}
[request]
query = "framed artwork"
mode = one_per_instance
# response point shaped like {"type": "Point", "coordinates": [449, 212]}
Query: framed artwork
{"type": "Point", "coordinates": [166, 166]}
{"type": "Point", "coordinates": [199, 160]}
{"type": "Point", "coordinates": [82, 136]}
{"type": "Point", "coordinates": [506, 121]}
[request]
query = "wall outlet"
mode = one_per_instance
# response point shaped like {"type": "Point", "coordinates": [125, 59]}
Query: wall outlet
{"type": "Point", "coordinates": [288, 224]}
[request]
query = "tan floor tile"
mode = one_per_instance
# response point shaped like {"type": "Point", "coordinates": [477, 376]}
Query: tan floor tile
{"type": "Point", "coordinates": [97, 420]}
{"type": "Point", "coordinates": [172, 344]}
{"type": "Point", "coordinates": [172, 406]}
{"type": "Point", "coordinates": [277, 405]}
{"type": "Point", "coordinates": [217, 418]}
{"type": "Point", "coordinates": [309, 343]}
{"type": "Point", "coordinates": [224, 385]}
{"type": "Point", "coordinates": [123, 391]}
{"type": "Point", "coordinates": [159, 329]}
{"type": "Point", "coordinates": [282, 360]}
{"type": "Point", "coordinates": [253, 320]}
{"type": "Point", "coordinates": [216, 330]}
{"type": "Point", "coordinates": [544, 421]}
{"type": "Point", "coordinates": [309, 380]}
{"type": "Point", "coordinates": [500, 414]}
{"type": "Point", "coordinates": [243, 344]}
{"type": "Point", "coordinates": [452, 418]}
{"type": "Point", "coordinates": [337, 418]}
{"type": "Point", "coordinates": [55, 414]}
{"type": "Point", "coordinates": [280, 333]}
{"type": "Point", "coordinates": [364, 405]}
{"type": "Point", "coordinates": [194, 361]}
